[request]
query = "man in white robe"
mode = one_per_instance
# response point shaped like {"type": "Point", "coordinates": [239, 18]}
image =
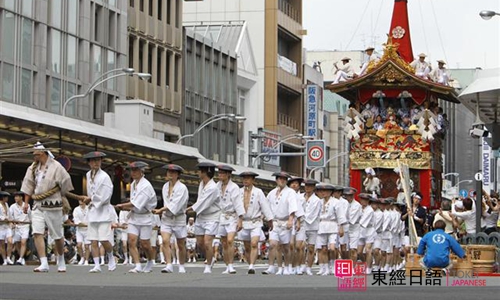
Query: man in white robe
{"type": "Point", "coordinates": [312, 211]}
{"type": "Point", "coordinates": [422, 68]}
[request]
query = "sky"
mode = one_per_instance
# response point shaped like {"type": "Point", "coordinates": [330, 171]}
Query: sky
{"type": "Point", "coordinates": [451, 30]}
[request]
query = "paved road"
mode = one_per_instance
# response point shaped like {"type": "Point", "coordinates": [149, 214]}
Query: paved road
{"type": "Point", "coordinates": [21, 283]}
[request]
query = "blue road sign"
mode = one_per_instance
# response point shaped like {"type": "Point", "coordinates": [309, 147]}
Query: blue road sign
{"type": "Point", "coordinates": [463, 193]}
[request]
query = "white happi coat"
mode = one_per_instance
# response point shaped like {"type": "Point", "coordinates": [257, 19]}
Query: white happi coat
{"type": "Point", "coordinates": [312, 211]}
{"type": "Point", "coordinates": [387, 224]}
{"type": "Point", "coordinates": [44, 180]}
{"type": "Point", "coordinates": [354, 213]}
{"type": "Point", "coordinates": [366, 221]}
{"type": "Point", "coordinates": [81, 216]}
{"type": "Point", "coordinates": [284, 204]}
{"type": "Point", "coordinates": [176, 203]}
{"type": "Point", "coordinates": [378, 220]}
{"type": "Point", "coordinates": [328, 218]}
{"type": "Point", "coordinates": [231, 203]}
{"type": "Point", "coordinates": [100, 190]}
{"type": "Point", "coordinates": [143, 197]}
{"type": "Point", "coordinates": [257, 208]}
{"type": "Point", "coordinates": [4, 216]}
{"type": "Point", "coordinates": [207, 206]}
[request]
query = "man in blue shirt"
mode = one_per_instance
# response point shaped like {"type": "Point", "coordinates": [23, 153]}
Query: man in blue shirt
{"type": "Point", "coordinates": [436, 246]}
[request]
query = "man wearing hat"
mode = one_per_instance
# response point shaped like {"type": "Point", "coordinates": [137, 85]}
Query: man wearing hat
{"type": "Point", "coordinates": [46, 182]}
{"type": "Point", "coordinates": [283, 202]}
{"type": "Point", "coordinates": [378, 222]}
{"type": "Point", "coordinates": [21, 228]}
{"type": "Point", "coordinates": [386, 246]}
{"type": "Point", "coordinates": [256, 207]}
{"type": "Point", "coordinates": [371, 58]}
{"type": "Point", "coordinates": [440, 75]}
{"type": "Point", "coordinates": [173, 216]}
{"type": "Point", "coordinates": [345, 72]}
{"type": "Point", "coordinates": [140, 222]}
{"type": "Point", "coordinates": [367, 231]}
{"type": "Point", "coordinates": [421, 67]}
{"type": "Point", "coordinates": [342, 211]}
{"type": "Point", "coordinates": [354, 213]}
{"type": "Point", "coordinates": [232, 214]}
{"type": "Point", "coordinates": [5, 232]}
{"type": "Point", "coordinates": [328, 228]}
{"type": "Point", "coordinates": [312, 211]}
{"type": "Point", "coordinates": [99, 192]}
{"type": "Point", "coordinates": [207, 208]}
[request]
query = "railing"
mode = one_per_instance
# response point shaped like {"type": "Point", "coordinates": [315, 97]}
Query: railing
{"type": "Point", "coordinates": [288, 121]}
{"type": "Point", "coordinates": [289, 10]}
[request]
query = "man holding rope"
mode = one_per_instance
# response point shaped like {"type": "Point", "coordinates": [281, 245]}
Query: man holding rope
{"type": "Point", "coordinates": [46, 182]}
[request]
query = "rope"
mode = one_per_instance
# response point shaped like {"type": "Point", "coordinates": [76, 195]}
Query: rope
{"type": "Point", "coordinates": [423, 27]}
{"type": "Point", "coordinates": [439, 32]}
{"type": "Point", "coordinates": [42, 196]}
{"type": "Point", "coordinates": [359, 24]}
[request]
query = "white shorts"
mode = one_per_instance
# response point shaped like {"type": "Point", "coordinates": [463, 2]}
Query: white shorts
{"type": "Point", "coordinates": [160, 240]}
{"type": "Point", "coordinates": [52, 219]}
{"type": "Point", "coordinates": [406, 241]}
{"type": "Point", "coordinates": [4, 235]}
{"type": "Point", "coordinates": [367, 236]}
{"type": "Point", "coordinates": [248, 234]}
{"type": "Point", "coordinates": [21, 233]}
{"type": "Point", "coordinates": [216, 242]}
{"type": "Point", "coordinates": [99, 231]}
{"type": "Point", "coordinates": [344, 240]}
{"type": "Point", "coordinates": [142, 231]}
{"type": "Point", "coordinates": [81, 236]}
{"type": "Point", "coordinates": [180, 231]}
{"type": "Point", "coordinates": [301, 234]}
{"type": "Point", "coordinates": [225, 229]}
{"type": "Point", "coordinates": [326, 239]}
{"type": "Point", "coordinates": [353, 239]}
{"type": "Point", "coordinates": [377, 242]}
{"type": "Point", "coordinates": [206, 228]}
{"type": "Point", "coordinates": [191, 243]}
{"type": "Point", "coordinates": [396, 240]}
{"type": "Point", "coordinates": [154, 238]}
{"type": "Point", "coordinates": [311, 237]}
{"type": "Point", "coordinates": [386, 245]}
{"type": "Point", "coordinates": [280, 234]}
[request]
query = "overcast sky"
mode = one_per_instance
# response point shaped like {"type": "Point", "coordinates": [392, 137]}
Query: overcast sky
{"type": "Point", "coordinates": [444, 29]}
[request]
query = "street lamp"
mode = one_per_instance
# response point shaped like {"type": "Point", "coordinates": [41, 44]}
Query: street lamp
{"type": "Point", "coordinates": [488, 14]}
{"type": "Point", "coordinates": [281, 141]}
{"type": "Point", "coordinates": [211, 120]}
{"type": "Point", "coordinates": [326, 163]}
{"type": "Point", "coordinates": [102, 79]}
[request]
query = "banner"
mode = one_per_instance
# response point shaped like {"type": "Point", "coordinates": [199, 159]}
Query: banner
{"type": "Point", "coordinates": [312, 110]}
{"type": "Point", "coordinates": [486, 165]}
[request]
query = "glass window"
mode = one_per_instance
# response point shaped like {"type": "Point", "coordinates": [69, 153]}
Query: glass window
{"type": "Point", "coordinates": [27, 7]}
{"type": "Point", "coordinates": [111, 66]}
{"type": "Point", "coordinates": [71, 108]}
{"type": "Point", "coordinates": [112, 3]}
{"type": "Point", "coordinates": [27, 41]}
{"type": "Point", "coordinates": [10, 4]}
{"type": "Point", "coordinates": [96, 62]}
{"type": "Point", "coordinates": [72, 15]}
{"type": "Point", "coordinates": [55, 96]}
{"type": "Point", "coordinates": [26, 87]}
{"type": "Point", "coordinates": [55, 51]}
{"type": "Point", "coordinates": [8, 82]}
{"type": "Point", "coordinates": [55, 13]}
{"type": "Point", "coordinates": [71, 68]}
{"type": "Point", "coordinates": [8, 35]}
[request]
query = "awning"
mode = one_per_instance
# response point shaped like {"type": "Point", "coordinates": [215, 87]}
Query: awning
{"type": "Point", "coordinates": [485, 89]}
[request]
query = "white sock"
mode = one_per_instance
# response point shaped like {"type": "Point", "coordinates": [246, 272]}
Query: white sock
{"type": "Point", "coordinates": [230, 266]}
{"type": "Point", "coordinates": [96, 261]}
{"type": "Point", "coordinates": [125, 255]}
{"type": "Point", "coordinates": [162, 256]}
{"type": "Point", "coordinates": [251, 266]}
{"type": "Point", "coordinates": [102, 259]}
{"type": "Point", "coordinates": [138, 266]}
{"type": "Point", "coordinates": [44, 262]}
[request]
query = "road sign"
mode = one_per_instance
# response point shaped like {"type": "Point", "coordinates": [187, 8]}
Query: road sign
{"type": "Point", "coordinates": [478, 176]}
{"type": "Point", "coordinates": [315, 150]}
{"type": "Point", "coordinates": [463, 193]}
{"type": "Point", "coordinates": [471, 193]}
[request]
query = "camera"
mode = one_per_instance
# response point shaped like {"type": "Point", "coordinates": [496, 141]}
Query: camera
{"type": "Point", "coordinates": [478, 130]}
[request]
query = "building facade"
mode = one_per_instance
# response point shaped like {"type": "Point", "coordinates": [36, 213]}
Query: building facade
{"type": "Point", "coordinates": [155, 47]}
{"type": "Point", "coordinates": [52, 50]}
{"type": "Point", "coordinates": [210, 91]}
{"type": "Point", "coordinates": [275, 30]}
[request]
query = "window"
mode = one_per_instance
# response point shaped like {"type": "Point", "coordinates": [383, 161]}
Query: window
{"type": "Point", "coordinates": [8, 35]}
{"type": "Point", "coordinates": [130, 52]}
{"type": "Point", "coordinates": [159, 54]}
{"type": "Point", "coordinates": [178, 14]}
{"type": "Point", "coordinates": [26, 87]}
{"type": "Point", "coordinates": [97, 23]}
{"type": "Point", "coordinates": [55, 13]}
{"type": "Point", "coordinates": [10, 4]}
{"type": "Point", "coordinates": [71, 53]}
{"type": "Point", "coordinates": [112, 3]}
{"type": "Point", "coordinates": [27, 41]}
{"type": "Point", "coordinates": [111, 66]}
{"type": "Point", "coordinates": [150, 61]}
{"type": "Point", "coordinates": [70, 92]}
{"type": "Point", "coordinates": [112, 29]}
{"type": "Point", "coordinates": [167, 69]}
{"type": "Point", "coordinates": [27, 7]}
{"type": "Point", "coordinates": [72, 15]}
{"type": "Point", "coordinates": [55, 51]}
{"type": "Point", "coordinates": [131, 3]}
{"type": "Point", "coordinates": [55, 96]}
{"type": "Point", "coordinates": [159, 9]}
{"type": "Point", "coordinates": [150, 7]}
{"type": "Point", "coordinates": [8, 82]}
{"type": "Point", "coordinates": [177, 70]}
{"type": "Point", "coordinates": [96, 62]}
{"type": "Point", "coordinates": [141, 5]}
{"type": "Point", "coordinates": [169, 12]}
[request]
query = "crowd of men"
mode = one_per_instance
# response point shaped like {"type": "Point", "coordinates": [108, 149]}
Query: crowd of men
{"type": "Point", "coordinates": [325, 222]}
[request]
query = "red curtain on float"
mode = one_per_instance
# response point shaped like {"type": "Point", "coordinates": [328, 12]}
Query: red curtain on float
{"type": "Point", "coordinates": [355, 181]}
{"type": "Point", "coordinates": [425, 187]}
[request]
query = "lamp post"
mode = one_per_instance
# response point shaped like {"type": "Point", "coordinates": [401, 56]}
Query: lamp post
{"type": "Point", "coordinates": [488, 14]}
{"type": "Point", "coordinates": [102, 79]}
{"type": "Point", "coordinates": [281, 141]}
{"type": "Point", "coordinates": [209, 121]}
{"type": "Point", "coordinates": [457, 175]}
{"type": "Point", "coordinates": [326, 163]}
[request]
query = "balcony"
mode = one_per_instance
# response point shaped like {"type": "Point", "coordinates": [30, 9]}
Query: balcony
{"type": "Point", "coordinates": [288, 126]}
{"type": "Point", "coordinates": [289, 19]}
{"type": "Point", "coordinates": [290, 11]}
